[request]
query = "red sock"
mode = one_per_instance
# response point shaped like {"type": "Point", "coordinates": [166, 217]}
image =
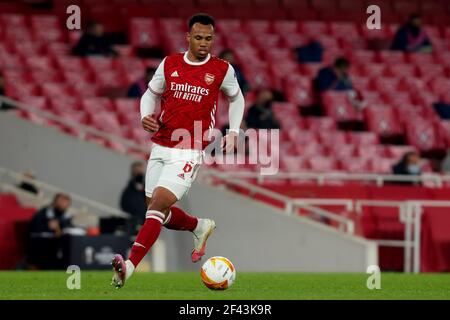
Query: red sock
{"type": "Point", "coordinates": [180, 220]}
{"type": "Point", "coordinates": [147, 236]}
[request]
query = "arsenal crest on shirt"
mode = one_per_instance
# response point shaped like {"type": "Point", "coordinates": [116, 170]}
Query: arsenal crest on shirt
{"type": "Point", "coordinates": [209, 78]}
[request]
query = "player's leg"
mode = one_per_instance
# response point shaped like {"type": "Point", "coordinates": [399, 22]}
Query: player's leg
{"type": "Point", "coordinates": [178, 176]}
{"type": "Point", "coordinates": [124, 269]}
{"type": "Point", "coordinates": [162, 199]}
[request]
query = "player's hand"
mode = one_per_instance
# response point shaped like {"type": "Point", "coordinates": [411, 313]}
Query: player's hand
{"type": "Point", "coordinates": [229, 142]}
{"type": "Point", "coordinates": [150, 124]}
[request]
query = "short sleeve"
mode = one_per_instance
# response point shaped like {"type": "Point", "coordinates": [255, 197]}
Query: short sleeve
{"type": "Point", "coordinates": [230, 85]}
{"type": "Point", "coordinates": [158, 83]}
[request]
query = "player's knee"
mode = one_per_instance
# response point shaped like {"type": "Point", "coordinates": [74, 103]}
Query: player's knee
{"type": "Point", "coordinates": [158, 205]}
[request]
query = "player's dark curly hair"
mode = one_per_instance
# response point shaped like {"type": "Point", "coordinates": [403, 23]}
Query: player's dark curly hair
{"type": "Point", "coordinates": [201, 18]}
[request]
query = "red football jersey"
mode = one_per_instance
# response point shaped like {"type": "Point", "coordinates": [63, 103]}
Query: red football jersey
{"type": "Point", "coordinates": [189, 96]}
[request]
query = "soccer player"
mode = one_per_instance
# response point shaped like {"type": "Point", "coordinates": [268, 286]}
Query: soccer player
{"type": "Point", "coordinates": [188, 85]}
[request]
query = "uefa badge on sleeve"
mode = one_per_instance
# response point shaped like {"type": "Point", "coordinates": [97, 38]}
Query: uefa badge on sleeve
{"type": "Point", "coordinates": [209, 78]}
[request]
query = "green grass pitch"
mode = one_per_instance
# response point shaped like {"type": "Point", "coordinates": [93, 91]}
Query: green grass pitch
{"type": "Point", "coordinates": [96, 285]}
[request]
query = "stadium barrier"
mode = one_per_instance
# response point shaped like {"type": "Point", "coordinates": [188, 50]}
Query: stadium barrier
{"type": "Point", "coordinates": [82, 129]}
{"type": "Point", "coordinates": [9, 180]}
{"type": "Point", "coordinates": [410, 214]}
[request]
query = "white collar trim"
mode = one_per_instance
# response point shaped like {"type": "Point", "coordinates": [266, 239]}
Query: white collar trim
{"type": "Point", "coordinates": [199, 63]}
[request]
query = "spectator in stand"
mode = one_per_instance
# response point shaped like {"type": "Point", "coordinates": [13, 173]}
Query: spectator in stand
{"type": "Point", "coordinates": [412, 37]}
{"type": "Point", "coordinates": [334, 77]}
{"type": "Point", "coordinates": [94, 43]}
{"type": "Point", "coordinates": [445, 165]}
{"type": "Point", "coordinates": [27, 182]}
{"type": "Point", "coordinates": [228, 55]}
{"type": "Point", "coordinates": [138, 88]}
{"type": "Point", "coordinates": [46, 229]}
{"type": "Point", "coordinates": [132, 200]}
{"type": "Point", "coordinates": [260, 115]}
{"type": "Point", "coordinates": [408, 165]}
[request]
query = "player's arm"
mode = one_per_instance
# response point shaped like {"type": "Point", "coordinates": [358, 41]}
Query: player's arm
{"type": "Point", "coordinates": [156, 87]}
{"type": "Point", "coordinates": [231, 89]}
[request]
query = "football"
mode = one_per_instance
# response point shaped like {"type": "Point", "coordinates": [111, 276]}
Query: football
{"type": "Point", "coordinates": [218, 273]}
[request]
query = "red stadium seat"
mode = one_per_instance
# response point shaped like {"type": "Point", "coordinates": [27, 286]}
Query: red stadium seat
{"type": "Point", "coordinates": [39, 62]}
{"type": "Point", "coordinates": [293, 164]}
{"type": "Point", "coordinates": [423, 135]}
{"type": "Point", "coordinates": [430, 71]}
{"type": "Point", "coordinates": [401, 70]}
{"type": "Point", "coordinates": [322, 164]}
{"type": "Point", "coordinates": [74, 64]}
{"type": "Point", "coordinates": [126, 105]}
{"type": "Point", "coordinates": [332, 137]}
{"type": "Point", "coordinates": [355, 165]}
{"type": "Point", "coordinates": [391, 57]}
{"type": "Point", "coordinates": [35, 101]}
{"type": "Point", "coordinates": [340, 151]}
{"type": "Point", "coordinates": [344, 30]}
{"type": "Point", "coordinates": [382, 121]}
{"type": "Point", "coordinates": [440, 85]}
{"type": "Point", "coordinates": [397, 152]}
{"type": "Point", "coordinates": [420, 58]}
{"type": "Point", "coordinates": [8, 200]}
{"type": "Point", "coordinates": [399, 98]}
{"type": "Point", "coordinates": [61, 104]}
{"type": "Point", "coordinates": [142, 32]}
{"type": "Point", "coordinates": [302, 137]}
{"type": "Point", "coordinates": [362, 138]}
{"type": "Point", "coordinates": [285, 27]}
{"type": "Point", "coordinates": [55, 89]}
{"type": "Point", "coordinates": [256, 27]}
{"type": "Point", "coordinates": [338, 106]}
{"type": "Point", "coordinates": [93, 105]}
{"type": "Point", "coordinates": [309, 150]}
{"type": "Point", "coordinates": [370, 151]}
{"type": "Point", "coordinates": [56, 49]}
{"type": "Point", "coordinates": [372, 69]}
{"type": "Point", "coordinates": [300, 91]}
{"type": "Point", "coordinates": [320, 124]}
{"type": "Point", "coordinates": [382, 165]}
{"type": "Point", "coordinates": [383, 84]}
{"type": "Point", "coordinates": [362, 56]}
{"type": "Point", "coordinates": [313, 28]}
{"type": "Point", "coordinates": [106, 122]}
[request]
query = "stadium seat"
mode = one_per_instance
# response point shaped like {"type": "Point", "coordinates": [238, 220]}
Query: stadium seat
{"type": "Point", "coordinates": [8, 200]}
{"type": "Point", "coordinates": [403, 70]}
{"type": "Point", "coordinates": [293, 164]}
{"type": "Point", "coordinates": [322, 164]}
{"type": "Point", "coordinates": [397, 152]}
{"type": "Point", "coordinates": [362, 138]}
{"type": "Point", "coordinates": [142, 32]}
{"type": "Point", "coordinates": [340, 151]}
{"type": "Point", "coordinates": [382, 121]}
{"type": "Point", "coordinates": [337, 106]}
{"type": "Point", "coordinates": [423, 135]}
{"type": "Point", "coordinates": [320, 124]}
{"type": "Point", "coordinates": [94, 105]}
{"type": "Point", "coordinates": [354, 165]}
{"type": "Point", "coordinates": [382, 165]}
{"type": "Point", "coordinates": [370, 151]}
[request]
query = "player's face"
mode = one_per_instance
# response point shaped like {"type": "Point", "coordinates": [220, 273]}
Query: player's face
{"type": "Point", "coordinates": [201, 40]}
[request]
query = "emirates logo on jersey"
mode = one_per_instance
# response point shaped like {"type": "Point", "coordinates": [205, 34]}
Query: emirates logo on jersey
{"type": "Point", "coordinates": [209, 78]}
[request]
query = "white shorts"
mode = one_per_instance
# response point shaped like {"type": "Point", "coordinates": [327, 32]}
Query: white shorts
{"type": "Point", "coordinates": [171, 168]}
